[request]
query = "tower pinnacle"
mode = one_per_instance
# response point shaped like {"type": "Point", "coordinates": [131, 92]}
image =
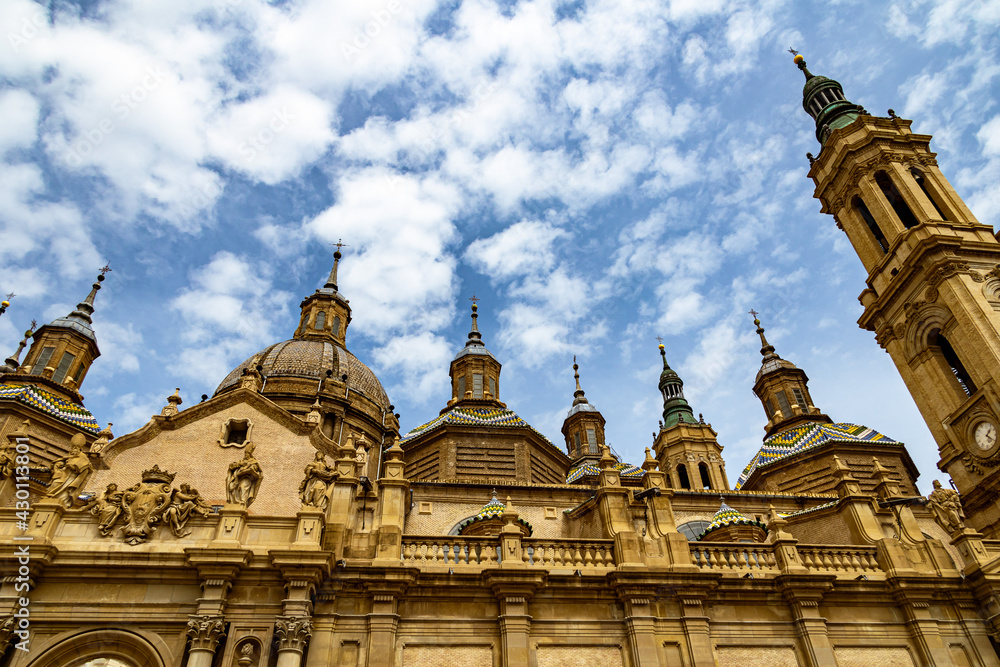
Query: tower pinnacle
{"type": "Point", "coordinates": [824, 100]}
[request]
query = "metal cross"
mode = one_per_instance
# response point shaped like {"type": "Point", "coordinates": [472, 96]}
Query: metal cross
{"type": "Point", "coordinates": [659, 339]}
{"type": "Point", "coordinates": [106, 269]}
{"type": "Point", "coordinates": [11, 295]}
{"type": "Point", "coordinates": [340, 244]}
{"type": "Point", "coordinates": [34, 323]}
{"type": "Point", "coordinates": [474, 299]}
{"type": "Point", "coordinates": [793, 52]}
{"type": "Point", "coordinates": [754, 313]}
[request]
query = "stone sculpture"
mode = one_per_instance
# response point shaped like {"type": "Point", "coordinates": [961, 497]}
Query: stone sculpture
{"type": "Point", "coordinates": [244, 479]}
{"type": "Point", "coordinates": [947, 507]}
{"type": "Point", "coordinates": [314, 487]}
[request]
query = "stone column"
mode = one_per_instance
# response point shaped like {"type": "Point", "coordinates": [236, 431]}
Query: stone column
{"type": "Point", "coordinates": [342, 500]}
{"type": "Point", "coordinates": [513, 589]}
{"type": "Point", "coordinates": [293, 634]}
{"type": "Point", "coordinates": [204, 633]}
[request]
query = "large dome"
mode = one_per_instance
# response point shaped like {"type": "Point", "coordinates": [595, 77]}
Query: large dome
{"type": "Point", "coordinates": [312, 359]}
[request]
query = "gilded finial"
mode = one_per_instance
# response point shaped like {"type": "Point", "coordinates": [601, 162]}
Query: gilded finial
{"type": "Point", "coordinates": [766, 349]}
{"type": "Point", "coordinates": [800, 60]}
{"type": "Point", "coordinates": [6, 302]}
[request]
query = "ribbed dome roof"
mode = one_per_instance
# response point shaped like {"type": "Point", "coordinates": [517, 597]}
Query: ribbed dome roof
{"type": "Point", "coordinates": [312, 359]}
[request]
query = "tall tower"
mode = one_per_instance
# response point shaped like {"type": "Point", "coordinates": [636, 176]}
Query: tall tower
{"type": "Point", "coordinates": [933, 287]}
{"type": "Point", "coordinates": [686, 447]}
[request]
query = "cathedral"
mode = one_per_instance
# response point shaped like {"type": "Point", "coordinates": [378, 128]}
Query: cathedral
{"type": "Point", "coordinates": [286, 521]}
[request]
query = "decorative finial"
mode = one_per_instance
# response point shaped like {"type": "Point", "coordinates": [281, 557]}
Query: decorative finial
{"type": "Point", "coordinates": [6, 302]}
{"type": "Point", "coordinates": [578, 395]}
{"type": "Point", "coordinates": [576, 373]}
{"type": "Point", "coordinates": [800, 60]}
{"type": "Point", "coordinates": [475, 313]}
{"type": "Point", "coordinates": [331, 282]}
{"type": "Point", "coordinates": [659, 339]}
{"type": "Point", "coordinates": [892, 114]}
{"type": "Point", "coordinates": [106, 268]}
{"type": "Point", "coordinates": [663, 353]}
{"type": "Point", "coordinates": [766, 349]}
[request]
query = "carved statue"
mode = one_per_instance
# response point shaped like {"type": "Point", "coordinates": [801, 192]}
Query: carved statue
{"type": "Point", "coordinates": [244, 479]}
{"type": "Point", "coordinates": [107, 507]}
{"type": "Point", "coordinates": [6, 463]}
{"type": "Point", "coordinates": [184, 502]}
{"type": "Point", "coordinates": [145, 503]}
{"type": "Point", "coordinates": [361, 457]}
{"type": "Point", "coordinates": [947, 507]}
{"type": "Point", "coordinates": [317, 481]}
{"type": "Point", "coordinates": [68, 475]}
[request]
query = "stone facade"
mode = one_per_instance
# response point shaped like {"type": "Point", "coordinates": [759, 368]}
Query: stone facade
{"type": "Point", "coordinates": [286, 522]}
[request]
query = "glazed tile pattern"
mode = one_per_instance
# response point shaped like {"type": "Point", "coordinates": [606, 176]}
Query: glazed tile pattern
{"type": "Point", "coordinates": [492, 510]}
{"type": "Point", "coordinates": [794, 440]}
{"type": "Point", "coordinates": [59, 408]}
{"type": "Point", "coordinates": [626, 470]}
{"type": "Point", "coordinates": [727, 516]}
{"type": "Point", "coordinates": [311, 359]}
{"type": "Point", "coordinates": [492, 417]}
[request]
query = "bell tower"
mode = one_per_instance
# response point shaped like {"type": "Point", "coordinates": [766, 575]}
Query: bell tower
{"type": "Point", "coordinates": [933, 289]}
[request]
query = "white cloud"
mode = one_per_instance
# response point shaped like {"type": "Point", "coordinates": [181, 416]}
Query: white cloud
{"type": "Point", "coordinates": [522, 248]}
{"type": "Point", "coordinates": [399, 273]}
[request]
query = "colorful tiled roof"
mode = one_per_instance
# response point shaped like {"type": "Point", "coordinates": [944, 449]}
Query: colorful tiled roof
{"type": "Point", "coordinates": [494, 509]}
{"type": "Point", "coordinates": [794, 440]}
{"type": "Point", "coordinates": [492, 417]}
{"type": "Point", "coordinates": [727, 516]}
{"type": "Point", "coordinates": [626, 470]}
{"type": "Point", "coordinates": [45, 401]}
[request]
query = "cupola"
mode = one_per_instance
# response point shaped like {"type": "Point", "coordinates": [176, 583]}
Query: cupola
{"type": "Point", "coordinates": [63, 350]}
{"type": "Point", "coordinates": [475, 372]}
{"type": "Point", "coordinates": [325, 312]}
{"type": "Point", "coordinates": [583, 427]}
{"type": "Point", "coordinates": [783, 390]}
{"type": "Point", "coordinates": [824, 100]}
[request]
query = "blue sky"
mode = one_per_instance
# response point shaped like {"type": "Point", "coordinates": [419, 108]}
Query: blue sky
{"type": "Point", "coordinates": [598, 173]}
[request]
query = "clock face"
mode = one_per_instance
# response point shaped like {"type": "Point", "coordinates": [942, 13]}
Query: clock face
{"type": "Point", "coordinates": [985, 435]}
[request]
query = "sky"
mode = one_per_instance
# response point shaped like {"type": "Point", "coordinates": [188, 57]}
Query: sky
{"type": "Point", "coordinates": [597, 173]}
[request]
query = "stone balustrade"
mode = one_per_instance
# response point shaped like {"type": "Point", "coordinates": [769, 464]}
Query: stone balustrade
{"type": "Point", "coordinates": [740, 557]}
{"type": "Point", "coordinates": [574, 554]}
{"type": "Point", "coordinates": [450, 550]}
{"type": "Point", "coordinates": [849, 560]}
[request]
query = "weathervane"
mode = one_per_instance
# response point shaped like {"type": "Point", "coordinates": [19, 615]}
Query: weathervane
{"type": "Point", "coordinates": [793, 52]}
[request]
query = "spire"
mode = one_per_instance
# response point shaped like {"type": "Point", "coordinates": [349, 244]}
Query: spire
{"type": "Point", "coordinates": [12, 362]}
{"type": "Point", "coordinates": [766, 349]}
{"type": "Point", "coordinates": [824, 100]}
{"type": "Point", "coordinates": [80, 319]}
{"type": "Point", "coordinates": [475, 338]}
{"type": "Point", "coordinates": [331, 282]}
{"type": "Point", "coordinates": [675, 406]}
{"type": "Point", "coordinates": [578, 396]}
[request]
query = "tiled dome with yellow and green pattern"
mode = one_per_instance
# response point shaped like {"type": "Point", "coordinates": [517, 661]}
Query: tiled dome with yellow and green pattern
{"type": "Point", "coordinates": [785, 443]}
{"type": "Point", "coordinates": [494, 509]}
{"type": "Point", "coordinates": [727, 516]}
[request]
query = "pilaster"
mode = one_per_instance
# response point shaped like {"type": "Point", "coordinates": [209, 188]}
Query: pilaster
{"type": "Point", "coordinates": [217, 569]}
{"type": "Point", "coordinates": [803, 594]}
{"type": "Point", "coordinates": [513, 589]}
{"type": "Point", "coordinates": [913, 596]}
{"type": "Point", "coordinates": [390, 516]}
{"type": "Point", "coordinates": [383, 619]}
{"type": "Point", "coordinates": [636, 595]}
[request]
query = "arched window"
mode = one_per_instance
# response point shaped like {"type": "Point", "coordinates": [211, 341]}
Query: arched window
{"type": "Point", "coordinates": [682, 476]}
{"type": "Point", "coordinates": [706, 482]}
{"type": "Point", "coordinates": [320, 320]}
{"type": "Point", "coordinates": [896, 200]}
{"type": "Point", "coordinates": [922, 182]}
{"type": "Point", "coordinates": [956, 365]}
{"type": "Point", "coordinates": [336, 326]}
{"type": "Point", "coordinates": [866, 215]}
{"type": "Point", "coordinates": [692, 529]}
